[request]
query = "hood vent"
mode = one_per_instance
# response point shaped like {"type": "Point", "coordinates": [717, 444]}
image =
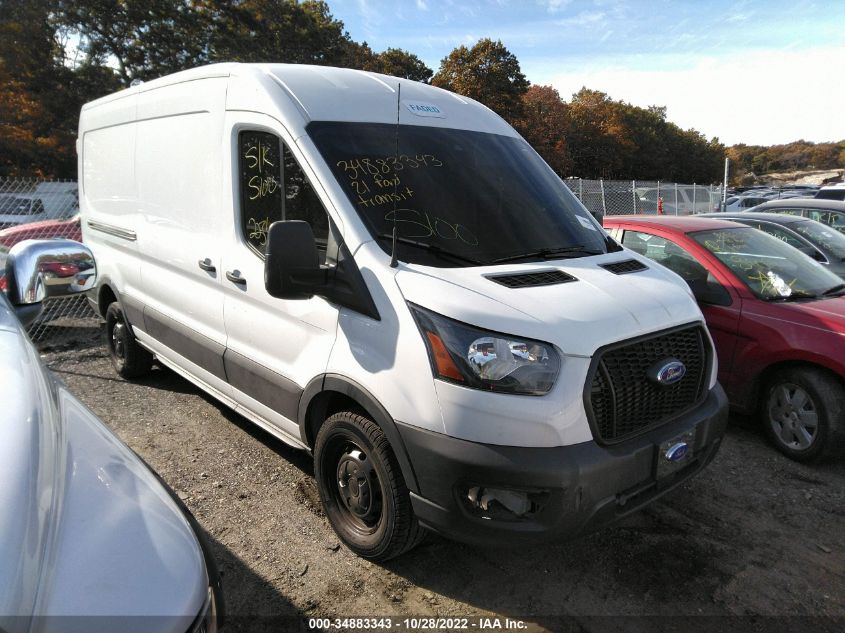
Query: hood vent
{"type": "Point", "coordinates": [539, 278]}
{"type": "Point", "coordinates": [625, 266]}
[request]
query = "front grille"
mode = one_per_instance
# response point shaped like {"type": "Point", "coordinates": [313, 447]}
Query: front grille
{"type": "Point", "coordinates": [623, 401]}
{"type": "Point", "coordinates": [539, 278]}
{"type": "Point", "coordinates": [625, 266]}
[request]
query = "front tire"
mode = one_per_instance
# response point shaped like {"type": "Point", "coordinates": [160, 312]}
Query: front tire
{"type": "Point", "coordinates": [362, 489]}
{"type": "Point", "coordinates": [130, 360]}
{"type": "Point", "coordinates": [802, 411]}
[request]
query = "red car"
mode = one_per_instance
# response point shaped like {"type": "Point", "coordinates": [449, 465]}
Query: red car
{"type": "Point", "coordinates": [776, 316]}
{"type": "Point", "coordinates": [44, 230]}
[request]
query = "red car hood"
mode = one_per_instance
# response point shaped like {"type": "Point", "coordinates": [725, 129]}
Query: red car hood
{"type": "Point", "coordinates": [827, 314]}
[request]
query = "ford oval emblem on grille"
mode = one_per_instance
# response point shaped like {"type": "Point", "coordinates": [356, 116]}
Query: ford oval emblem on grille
{"type": "Point", "coordinates": [667, 372]}
{"type": "Point", "coordinates": [677, 452]}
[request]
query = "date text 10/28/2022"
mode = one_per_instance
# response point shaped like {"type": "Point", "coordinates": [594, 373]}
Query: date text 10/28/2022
{"type": "Point", "coordinates": [424, 623]}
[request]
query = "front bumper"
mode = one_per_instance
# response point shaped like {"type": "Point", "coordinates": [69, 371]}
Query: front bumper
{"type": "Point", "coordinates": [583, 486]}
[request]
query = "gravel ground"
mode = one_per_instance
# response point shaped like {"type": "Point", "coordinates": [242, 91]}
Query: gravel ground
{"type": "Point", "coordinates": [754, 535]}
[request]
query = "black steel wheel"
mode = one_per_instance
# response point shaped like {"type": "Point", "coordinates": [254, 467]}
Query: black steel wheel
{"type": "Point", "coordinates": [130, 360]}
{"type": "Point", "coordinates": [362, 489]}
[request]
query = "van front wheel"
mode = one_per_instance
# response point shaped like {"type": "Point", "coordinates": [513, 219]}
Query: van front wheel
{"type": "Point", "coordinates": [130, 360]}
{"type": "Point", "coordinates": [362, 489]}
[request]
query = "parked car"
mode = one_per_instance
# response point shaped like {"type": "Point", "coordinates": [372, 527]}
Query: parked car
{"type": "Point", "coordinates": [690, 199]}
{"type": "Point", "coordinates": [830, 212]}
{"type": "Point", "coordinates": [87, 530]}
{"type": "Point", "coordinates": [46, 229]}
{"type": "Point", "coordinates": [335, 302]}
{"type": "Point", "coordinates": [832, 192]}
{"type": "Point", "coordinates": [24, 208]}
{"type": "Point", "coordinates": [812, 238]}
{"type": "Point", "coordinates": [776, 316]}
{"type": "Point", "coordinates": [738, 203]}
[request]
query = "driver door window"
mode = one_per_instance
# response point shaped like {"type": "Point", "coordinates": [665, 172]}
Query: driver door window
{"type": "Point", "coordinates": [274, 187]}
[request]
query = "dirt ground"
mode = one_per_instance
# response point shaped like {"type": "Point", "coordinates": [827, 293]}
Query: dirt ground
{"type": "Point", "coordinates": [755, 535]}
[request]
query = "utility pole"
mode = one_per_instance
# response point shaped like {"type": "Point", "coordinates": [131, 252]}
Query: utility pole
{"type": "Point", "coordinates": [725, 183]}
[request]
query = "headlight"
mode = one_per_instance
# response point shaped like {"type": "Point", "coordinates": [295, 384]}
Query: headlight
{"type": "Point", "coordinates": [486, 360]}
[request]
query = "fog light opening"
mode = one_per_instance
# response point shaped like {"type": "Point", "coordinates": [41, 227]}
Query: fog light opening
{"type": "Point", "coordinates": [503, 504]}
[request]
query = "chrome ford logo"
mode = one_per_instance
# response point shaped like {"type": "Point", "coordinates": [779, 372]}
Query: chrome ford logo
{"type": "Point", "coordinates": [667, 372]}
{"type": "Point", "coordinates": [677, 452]}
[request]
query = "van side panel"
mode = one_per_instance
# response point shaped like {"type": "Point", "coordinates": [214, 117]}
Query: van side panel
{"type": "Point", "coordinates": [108, 196]}
{"type": "Point", "coordinates": [178, 170]}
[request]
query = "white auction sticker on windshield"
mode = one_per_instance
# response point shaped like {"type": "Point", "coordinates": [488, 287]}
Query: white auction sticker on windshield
{"type": "Point", "coordinates": [425, 109]}
{"type": "Point", "coordinates": [780, 286]}
{"type": "Point", "coordinates": [586, 223]}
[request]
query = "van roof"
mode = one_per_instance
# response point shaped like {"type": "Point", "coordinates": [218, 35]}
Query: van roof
{"type": "Point", "coordinates": [325, 93]}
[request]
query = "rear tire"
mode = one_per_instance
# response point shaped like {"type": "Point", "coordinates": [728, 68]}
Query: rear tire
{"type": "Point", "coordinates": [802, 412]}
{"type": "Point", "coordinates": [362, 489]}
{"type": "Point", "coordinates": [130, 360]}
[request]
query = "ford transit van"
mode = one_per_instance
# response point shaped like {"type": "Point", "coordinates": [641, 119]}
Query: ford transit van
{"type": "Point", "coordinates": [385, 274]}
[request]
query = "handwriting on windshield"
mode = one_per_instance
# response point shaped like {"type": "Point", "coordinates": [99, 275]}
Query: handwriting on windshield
{"type": "Point", "coordinates": [355, 168]}
{"type": "Point", "coordinates": [376, 181]}
{"type": "Point", "coordinates": [426, 226]}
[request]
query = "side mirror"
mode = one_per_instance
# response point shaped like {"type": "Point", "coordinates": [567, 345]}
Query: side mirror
{"type": "Point", "coordinates": [292, 270]}
{"type": "Point", "coordinates": [709, 291]}
{"type": "Point", "coordinates": [38, 269]}
{"type": "Point", "coordinates": [292, 265]}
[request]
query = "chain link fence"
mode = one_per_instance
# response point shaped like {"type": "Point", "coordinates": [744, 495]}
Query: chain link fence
{"type": "Point", "coordinates": [33, 210]}
{"type": "Point", "coordinates": [616, 197]}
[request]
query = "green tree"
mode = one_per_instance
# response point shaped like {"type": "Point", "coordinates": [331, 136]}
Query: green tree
{"type": "Point", "coordinates": [284, 31]}
{"type": "Point", "coordinates": [488, 72]}
{"type": "Point", "coordinates": [142, 38]}
{"type": "Point", "coordinates": [400, 63]}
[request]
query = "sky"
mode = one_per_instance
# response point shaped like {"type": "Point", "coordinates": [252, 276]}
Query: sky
{"type": "Point", "coordinates": [755, 72]}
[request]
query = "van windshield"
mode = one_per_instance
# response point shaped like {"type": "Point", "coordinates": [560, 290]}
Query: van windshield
{"type": "Point", "coordinates": [461, 198]}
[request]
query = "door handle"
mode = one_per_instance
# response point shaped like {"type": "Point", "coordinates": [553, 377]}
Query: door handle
{"type": "Point", "coordinates": [206, 265]}
{"type": "Point", "coordinates": [235, 279]}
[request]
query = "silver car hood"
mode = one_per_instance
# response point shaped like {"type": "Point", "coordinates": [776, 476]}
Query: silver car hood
{"type": "Point", "coordinates": [85, 528]}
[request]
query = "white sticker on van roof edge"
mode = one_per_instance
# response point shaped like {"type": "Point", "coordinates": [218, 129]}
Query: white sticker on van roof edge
{"type": "Point", "coordinates": [424, 109]}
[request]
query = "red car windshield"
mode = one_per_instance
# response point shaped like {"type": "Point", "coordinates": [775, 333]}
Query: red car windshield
{"type": "Point", "coordinates": [770, 268]}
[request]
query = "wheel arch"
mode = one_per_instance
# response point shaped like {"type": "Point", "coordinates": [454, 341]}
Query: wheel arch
{"type": "Point", "coordinates": [329, 393]}
{"type": "Point", "coordinates": [106, 295]}
{"type": "Point", "coordinates": [765, 376]}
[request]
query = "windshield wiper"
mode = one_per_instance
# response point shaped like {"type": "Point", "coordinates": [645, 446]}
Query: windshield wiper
{"type": "Point", "coordinates": [836, 290]}
{"type": "Point", "coordinates": [576, 250]}
{"type": "Point", "coordinates": [795, 296]}
{"type": "Point", "coordinates": [434, 249]}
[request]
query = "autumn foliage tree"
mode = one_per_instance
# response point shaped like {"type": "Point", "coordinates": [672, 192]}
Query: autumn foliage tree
{"type": "Point", "coordinates": [488, 72]}
{"type": "Point", "coordinates": [545, 124]}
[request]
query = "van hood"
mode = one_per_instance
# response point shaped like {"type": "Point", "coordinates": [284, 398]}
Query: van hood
{"type": "Point", "coordinates": [86, 529]}
{"type": "Point", "coordinates": [597, 308]}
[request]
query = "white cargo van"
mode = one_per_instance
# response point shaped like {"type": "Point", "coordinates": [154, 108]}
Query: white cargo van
{"type": "Point", "coordinates": [243, 220]}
